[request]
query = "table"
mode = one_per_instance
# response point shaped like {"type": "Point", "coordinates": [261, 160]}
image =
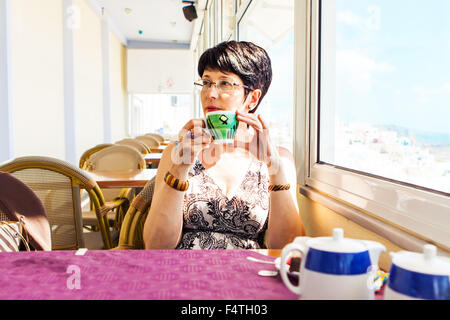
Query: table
{"type": "Point", "coordinates": [138, 274]}
{"type": "Point", "coordinates": [123, 178]}
{"type": "Point", "coordinates": [158, 149]}
{"type": "Point", "coordinates": [154, 157]}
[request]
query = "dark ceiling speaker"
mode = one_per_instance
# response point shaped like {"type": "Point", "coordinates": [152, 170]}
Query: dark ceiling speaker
{"type": "Point", "coordinates": [189, 12]}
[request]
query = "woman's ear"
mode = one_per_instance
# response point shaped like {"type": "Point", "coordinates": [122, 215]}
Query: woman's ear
{"type": "Point", "coordinates": [253, 99]}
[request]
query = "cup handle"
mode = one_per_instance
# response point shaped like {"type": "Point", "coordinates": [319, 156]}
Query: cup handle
{"type": "Point", "coordinates": [283, 267]}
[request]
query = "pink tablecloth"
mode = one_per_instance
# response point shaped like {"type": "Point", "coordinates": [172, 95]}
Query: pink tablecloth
{"type": "Point", "coordinates": [138, 274]}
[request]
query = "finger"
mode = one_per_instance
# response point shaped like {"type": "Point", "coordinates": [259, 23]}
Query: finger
{"type": "Point", "coordinates": [206, 133]}
{"type": "Point", "coordinates": [263, 123]}
{"type": "Point", "coordinates": [200, 135]}
{"type": "Point", "coordinates": [251, 120]}
{"type": "Point", "coordinates": [201, 140]}
{"type": "Point", "coordinates": [182, 134]}
{"type": "Point", "coordinates": [250, 116]}
{"type": "Point", "coordinates": [194, 123]}
{"type": "Point", "coordinates": [185, 134]}
{"type": "Point", "coordinates": [198, 131]}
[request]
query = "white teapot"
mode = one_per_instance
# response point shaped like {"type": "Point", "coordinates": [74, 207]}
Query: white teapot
{"type": "Point", "coordinates": [418, 276]}
{"type": "Point", "coordinates": [333, 267]}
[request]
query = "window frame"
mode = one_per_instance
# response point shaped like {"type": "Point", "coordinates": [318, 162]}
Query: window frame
{"type": "Point", "coordinates": [424, 214]}
{"type": "Point", "coordinates": [213, 23]}
{"type": "Point", "coordinates": [227, 35]}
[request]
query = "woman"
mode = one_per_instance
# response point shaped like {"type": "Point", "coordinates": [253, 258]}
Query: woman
{"type": "Point", "coordinates": [240, 195]}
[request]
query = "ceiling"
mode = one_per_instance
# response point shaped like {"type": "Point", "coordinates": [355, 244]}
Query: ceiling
{"type": "Point", "coordinates": [151, 21]}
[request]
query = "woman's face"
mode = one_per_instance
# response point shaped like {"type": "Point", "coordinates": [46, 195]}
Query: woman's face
{"type": "Point", "coordinates": [214, 99]}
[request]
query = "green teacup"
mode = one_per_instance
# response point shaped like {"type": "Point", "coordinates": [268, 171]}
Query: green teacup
{"type": "Point", "coordinates": [222, 126]}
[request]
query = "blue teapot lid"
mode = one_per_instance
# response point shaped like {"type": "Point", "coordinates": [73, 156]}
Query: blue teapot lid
{"type": "Point", "coordinates": [337, 243]}
{"type": "Point", "coordinates": [427, 262]}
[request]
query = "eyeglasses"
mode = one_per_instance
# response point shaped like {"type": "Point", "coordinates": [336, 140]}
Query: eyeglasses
{"type": "Point", "coordinates": [222, 85]}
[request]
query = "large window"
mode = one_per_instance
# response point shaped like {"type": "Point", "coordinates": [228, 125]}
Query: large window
{"type": "Point", "coordinates": [159, 113]}
{"type": "Point", "coordinates": [385, 89]}
{"type": "Point", "coordinates": [270, 24]}
{"type": "Point", "coordinates": [377, 122]}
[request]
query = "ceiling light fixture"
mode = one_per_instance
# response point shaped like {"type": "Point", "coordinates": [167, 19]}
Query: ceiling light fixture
{"type": "Point", "coordinates": [127, 10]}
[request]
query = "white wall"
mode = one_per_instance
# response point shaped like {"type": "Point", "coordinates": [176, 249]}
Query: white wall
{"type": "Point", "coordinates": [48, 110]}
{"type": "Point", "coordinates": [88, 79]}
{"type": "Point", "coordinates": [6, 120]}
{"type": "Point", "coordinates": [119, 96]}
{"type": "Point", "coordinates": [37, 78]}
{"type": "Point", "coordinates": [159, 71]}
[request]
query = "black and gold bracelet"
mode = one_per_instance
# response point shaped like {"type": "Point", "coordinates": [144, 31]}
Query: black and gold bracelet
{"type": "Point", "coordinates": [279, 187]}
{"type": "Point", "coordinates": [175, 183]}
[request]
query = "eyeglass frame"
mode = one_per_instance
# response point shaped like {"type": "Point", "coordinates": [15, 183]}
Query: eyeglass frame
{"type": "Point", "coordinates": [217, 88]}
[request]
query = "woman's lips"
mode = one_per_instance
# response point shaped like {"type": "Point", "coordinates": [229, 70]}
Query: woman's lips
{"type": "Point", "coordinates": [211, 109]}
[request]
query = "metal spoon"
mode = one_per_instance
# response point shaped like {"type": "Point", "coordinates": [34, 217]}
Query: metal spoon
{"type": "Point", "coordinates": [267, 273]}
{"type": "Point", "coordinates": [259, 260]}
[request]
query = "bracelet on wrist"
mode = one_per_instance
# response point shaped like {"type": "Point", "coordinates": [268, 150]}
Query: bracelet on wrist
{"type": "Point", "coordinates": [177, 184]}
{"type": "Point", "coordinates": [279, 187]}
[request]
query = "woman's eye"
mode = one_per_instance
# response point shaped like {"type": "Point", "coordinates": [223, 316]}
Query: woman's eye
{"type": "Point", "coordinates": [225, 84]}
{"type": "Point", "coordinates": [206, 83]}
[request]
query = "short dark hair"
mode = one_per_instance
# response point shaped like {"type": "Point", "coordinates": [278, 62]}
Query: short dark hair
{"type": "Point", "coordinates": [249, 61]}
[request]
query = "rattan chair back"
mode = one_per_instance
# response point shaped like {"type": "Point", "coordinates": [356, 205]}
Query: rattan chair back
{"type": "Point", "coordinates": [116, 157]}
{"type": "Point", "coordinates": [85, 156]}
{"type": "Point", "coordinates": [158, 137]}
{"type": "Point", "coordinates": [150, 142]}
{"type": "Point", "coordinates": [139, 145]}
{"type": "Point", "coordinates": [57, 184]}
{"type": "Point", "coordinates": [131, 233]}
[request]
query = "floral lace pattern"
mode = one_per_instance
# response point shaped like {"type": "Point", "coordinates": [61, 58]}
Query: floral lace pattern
{"type": "Point", "coordinates": [213, 221]}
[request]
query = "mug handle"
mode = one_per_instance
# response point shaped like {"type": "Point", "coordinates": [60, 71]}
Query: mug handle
{"type": "Point", "coordinates": [283, 266]}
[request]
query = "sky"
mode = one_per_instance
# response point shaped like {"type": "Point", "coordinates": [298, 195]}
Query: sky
{"type": "Point", "coordinates": [392, 63]}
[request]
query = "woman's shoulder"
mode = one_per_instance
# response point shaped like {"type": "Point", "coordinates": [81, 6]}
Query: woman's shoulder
{"type": "Point", "coordinates": [285, 153]}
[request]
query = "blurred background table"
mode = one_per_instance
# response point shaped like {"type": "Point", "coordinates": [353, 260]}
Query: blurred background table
{"type": "Point", "coordinates": [123, 178]}
{"type": "Point", "coordinates": [158, 149]}
{"type": "Point", "coordinates": [154, 157]}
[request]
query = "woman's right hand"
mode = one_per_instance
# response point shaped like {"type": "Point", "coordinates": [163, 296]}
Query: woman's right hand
{"type": "Point", "coordinates": [192, 139]}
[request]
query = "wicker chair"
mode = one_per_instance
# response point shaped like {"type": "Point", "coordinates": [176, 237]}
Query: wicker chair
{"type": "Point", "coordinates": [91, 151]}
{"type": "Point", "coordinates": [85, 204]}
{"type": "Point", "coordinates": [115, 157]}
{"type": "Point", "coordinates": [158, 137]}
{"type": "Point", "coordinates": [131, 233]}
{"type": "Point", "coordinates": [139, 145]}
{"type": "Point", "coordinates": [150, 142]}
{"type": "Point", "coordinates": [58, 184]}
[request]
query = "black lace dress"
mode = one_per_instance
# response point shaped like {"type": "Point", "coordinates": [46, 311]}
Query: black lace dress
{"type": "Point", "coordinates": [213, 221]}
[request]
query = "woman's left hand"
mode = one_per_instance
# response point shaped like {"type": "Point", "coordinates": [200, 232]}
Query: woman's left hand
{"type": "Point", "coordinates": [260, 145]}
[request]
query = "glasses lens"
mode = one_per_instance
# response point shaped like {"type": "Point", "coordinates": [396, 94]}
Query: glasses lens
{"type": "Point", "coordinates": [225, 86]}
{"type": "Point", "coordinates": [198, 85]}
